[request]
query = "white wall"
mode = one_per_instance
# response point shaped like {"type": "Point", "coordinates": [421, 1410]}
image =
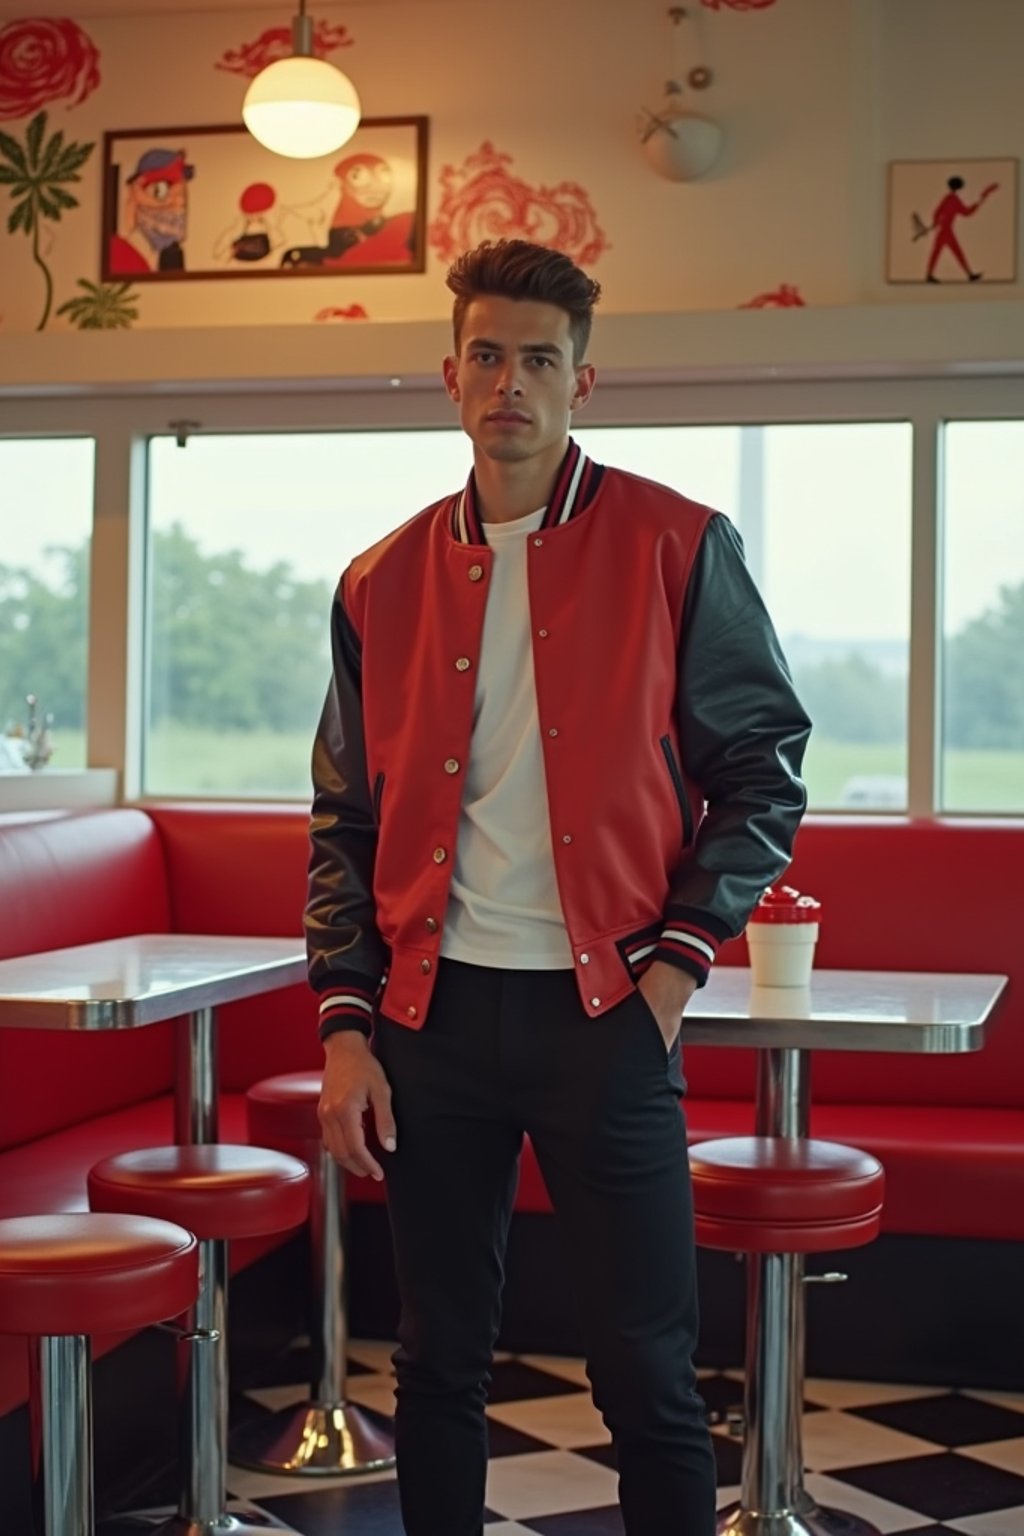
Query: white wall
{"type": "Point", "coordinates": [815, 96]}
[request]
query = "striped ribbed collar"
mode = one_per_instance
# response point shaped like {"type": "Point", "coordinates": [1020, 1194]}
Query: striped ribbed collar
{"type": "Point", "coordinates": [575, 487]}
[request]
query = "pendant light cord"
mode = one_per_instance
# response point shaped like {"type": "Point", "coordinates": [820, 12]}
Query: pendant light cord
{"type": "Point", "coordinates": [302, 32]}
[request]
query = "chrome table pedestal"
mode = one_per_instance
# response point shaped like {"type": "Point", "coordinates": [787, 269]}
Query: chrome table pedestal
{"type": "Point", "coordinates": [327, 1435]}
{"type": "Point", "coordinates": [773, 1500]}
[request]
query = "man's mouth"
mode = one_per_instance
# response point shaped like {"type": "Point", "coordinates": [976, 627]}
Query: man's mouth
{"type": "Point", "coordinates": [508, 416]}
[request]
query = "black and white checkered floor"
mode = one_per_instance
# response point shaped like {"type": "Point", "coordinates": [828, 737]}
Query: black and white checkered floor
{"type": "Point", "coordinates": [921, 1459]}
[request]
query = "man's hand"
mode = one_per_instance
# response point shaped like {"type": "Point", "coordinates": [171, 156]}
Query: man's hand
{"type": "Point", "coordinates": [666, 990]}
{"type": "Point", "coordinates": [353, 1082]}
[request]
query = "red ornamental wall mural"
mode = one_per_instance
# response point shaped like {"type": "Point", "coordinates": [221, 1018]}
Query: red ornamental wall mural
{"type": "Point", "coordinates": [483, 200]}
{"type": "Point", "coordinates": [785, 296]}
{"type": "Point", "coordinates": [341, 312]}
{"type": "Point", "coordinates": [43, 62]}
{"type": "Point", "coordinates": [276, 43]}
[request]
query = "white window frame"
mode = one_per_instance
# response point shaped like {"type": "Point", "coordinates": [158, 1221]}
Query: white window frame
{"type": "Point", "coordinates": [121, 427]}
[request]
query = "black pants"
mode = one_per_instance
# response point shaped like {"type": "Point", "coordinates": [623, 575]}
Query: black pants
{"type": "Point", "coordinates": [503, 1052]}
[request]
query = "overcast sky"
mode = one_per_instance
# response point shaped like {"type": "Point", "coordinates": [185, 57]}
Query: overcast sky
{"type": "Point", "coordinates": [837, 504]}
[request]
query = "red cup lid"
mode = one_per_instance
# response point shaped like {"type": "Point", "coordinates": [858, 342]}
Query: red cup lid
{"type": "Point", "coordinates": [783, 904]}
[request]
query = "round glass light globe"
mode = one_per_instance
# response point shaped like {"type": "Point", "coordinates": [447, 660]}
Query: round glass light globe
{"type": "Point", "coordinates": [301, 107]}
{"type": "Point", "coordinates": [685, 146]}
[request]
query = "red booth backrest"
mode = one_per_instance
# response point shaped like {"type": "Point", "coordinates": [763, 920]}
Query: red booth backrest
{"type": "Point", "coordinates": [242, 869]}
{"type": "Point", "coordinates": [914, 896]}
{"type": "Point", "coordinates": [76, 880]}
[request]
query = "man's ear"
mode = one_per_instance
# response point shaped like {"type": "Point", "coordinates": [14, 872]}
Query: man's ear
{"type": "Point", "coordinates": [586, 378]}
{"type": "Point", "coordinates": [450, 371]}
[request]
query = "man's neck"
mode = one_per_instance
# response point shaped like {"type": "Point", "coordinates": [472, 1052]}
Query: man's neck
{"type": "Point", "coordinates": [507, 491]}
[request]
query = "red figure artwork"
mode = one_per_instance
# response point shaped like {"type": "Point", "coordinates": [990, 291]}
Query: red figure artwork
{"type": "Point", "coordinates": [785, 296]}
{"type": "Point", "coordinates": [361, 234]}
{"type": "Point", "coordinates": [738, 5]}
{"type": "Point", "coordinates": [44, 61]}
{"type": "Point", "coordinates": [151, 236]}
{"type": "Point", "coordinates": [483, 200]}
{"type": "Point", "coordinates": [344, 312]}
{"type": "Point", "coordinates": [951, 208]}
{"type": "Point", "coordinates": [276, 43]}
{"type": "Point", "coordinates": [259, 232]}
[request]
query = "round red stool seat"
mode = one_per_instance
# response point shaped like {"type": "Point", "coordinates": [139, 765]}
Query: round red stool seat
{"type": "Point", "coordinates": [768, 1194]}
{"type": "Point", "coordinates": [218, 1191]}
{"type": "Point", "coordinates": [85, 1273]}
{"type": "Point", "coordinates": [284, 1108]}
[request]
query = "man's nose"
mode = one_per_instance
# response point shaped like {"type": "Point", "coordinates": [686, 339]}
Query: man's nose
{"type": "Point", "coordinates": [509, 382]}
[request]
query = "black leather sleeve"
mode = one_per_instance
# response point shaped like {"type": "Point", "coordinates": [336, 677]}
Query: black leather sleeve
{"type": "Point", "coordinates": [344, 946]}
{"type": "Point", "coordinates": [742, 734]}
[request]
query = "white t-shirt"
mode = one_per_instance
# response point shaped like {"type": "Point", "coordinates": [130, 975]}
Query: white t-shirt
{"type": "Point", "coordinates": [503, 907]}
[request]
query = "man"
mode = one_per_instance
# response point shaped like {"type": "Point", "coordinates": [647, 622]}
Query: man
{"type": "Point", "coordinates": [156, 216]}
{"type": "Point", "coordinates": [951, 208]}
{"type": "Point", "coordinates": [537, 684]}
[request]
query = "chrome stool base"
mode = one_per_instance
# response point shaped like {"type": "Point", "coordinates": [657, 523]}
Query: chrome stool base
{"type": "Point", "coordinates": [314, 1439]}
{"type": "Point", "coordinates": [814, 1521]}
{"type": "Point", "coordinates": [246, 1522]}
{"type": "Point", "coordinates": [238, 1520]}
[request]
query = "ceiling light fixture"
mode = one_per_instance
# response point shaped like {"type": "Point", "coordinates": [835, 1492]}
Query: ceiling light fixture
{"type": "Point", "coordinates": [679, 144]}
{"type": "Point", "coordinates": [301, 106]}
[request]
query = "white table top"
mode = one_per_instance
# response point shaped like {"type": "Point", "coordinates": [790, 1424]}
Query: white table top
{"type": "Point", "coordinates": [124, 983]}
{"type": "Point", "coordinates": [128, 982]}
{"type": "Point", "coordinates": [914, 1011]}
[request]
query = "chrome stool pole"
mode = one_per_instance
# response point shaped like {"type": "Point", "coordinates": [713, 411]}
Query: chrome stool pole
{"type": "Point", "coordinates": [61, 1429]}
{"type": "Point", "coordinates": [327, 1435]}
{"type": "Point", "coordinates": [203, 1414]}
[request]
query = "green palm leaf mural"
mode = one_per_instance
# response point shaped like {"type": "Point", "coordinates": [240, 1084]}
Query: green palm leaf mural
{"type": "Point", "coordinates": [102, 306]}
{"type": "Point", "coordinates": [36, 174]}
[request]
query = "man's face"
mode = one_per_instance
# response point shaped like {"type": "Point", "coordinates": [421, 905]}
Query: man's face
{"type": "Point", "coordinates": [160, 209]}
{"type": "Point", "coordinates": [515, 380]}
{"type": "Point", "coordinates": [370, 185]}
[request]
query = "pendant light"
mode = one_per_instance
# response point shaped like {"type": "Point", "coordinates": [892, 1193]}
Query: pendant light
{"type": "Point", "coordinates": [681, 144]}
{"type": "Point", "coordinates": [301, 106]}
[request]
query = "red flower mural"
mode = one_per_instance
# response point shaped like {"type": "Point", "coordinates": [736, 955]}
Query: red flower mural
{"type": "Point", "coordinates": [276, 43]}
{"type": "Point", "coordinates": [43, 61]}
{"type": "Point", "coordinates": [482, 200]}
{"type": "Point", "coordinates": [348, 312]}
{"type": "Point", "coordinates": [738, 5]}
{"type": "Point", "coordinates": [785, 296]}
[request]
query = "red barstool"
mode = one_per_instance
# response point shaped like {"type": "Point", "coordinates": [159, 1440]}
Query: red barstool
{"type": "Point", "coordinates": [62, 1279]}
{"type": "Point", "coordinates": [327, 1435]}
{"type": "Point", "coordinates": [775, 1199]}
{"type": "Point", "coordinates": [219, 1192]}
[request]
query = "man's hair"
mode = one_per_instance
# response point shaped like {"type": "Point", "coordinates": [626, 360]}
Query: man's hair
{"type": "Point", "coordinates": [517, 269]}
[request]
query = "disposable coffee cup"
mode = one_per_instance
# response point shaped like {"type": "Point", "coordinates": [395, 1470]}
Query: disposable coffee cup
{"type": "Point", "coordinates": [782, 931]}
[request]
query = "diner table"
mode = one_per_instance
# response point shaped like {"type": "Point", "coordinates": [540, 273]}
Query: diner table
{"type": "Point", "coordinates": [923, 1013]}
{"type": "Point", "coordinates": [128, 983]}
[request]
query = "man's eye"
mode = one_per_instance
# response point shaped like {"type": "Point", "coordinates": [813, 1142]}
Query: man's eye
{"type": "Point", "coordinates": [540, 361]}
{"type": "Point", "coordinates": [158, 190]}
{"type": "Point", "coordinates": [484, 357]}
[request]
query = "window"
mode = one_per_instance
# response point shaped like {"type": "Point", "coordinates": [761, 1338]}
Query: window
{"type": "Point", "coordinates": [824, 511]}
{"type": "Point", "coordinates": [45, 527]}
{"type": "Point", "coordinates": [248, 536]}
{"type": "Point", "coordinates": [983, 617]}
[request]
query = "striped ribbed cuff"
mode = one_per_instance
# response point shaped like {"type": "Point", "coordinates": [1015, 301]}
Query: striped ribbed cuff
{"type": "Point", "coordinates": [690, 945]}
{"type": "Point", "coordinates": [348, 1007]}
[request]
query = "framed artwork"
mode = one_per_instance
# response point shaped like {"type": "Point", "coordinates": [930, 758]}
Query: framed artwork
{"type": "Point", "coordinates": [184, 203]}
{"type": "Point", "coordinates": [952, 221]}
